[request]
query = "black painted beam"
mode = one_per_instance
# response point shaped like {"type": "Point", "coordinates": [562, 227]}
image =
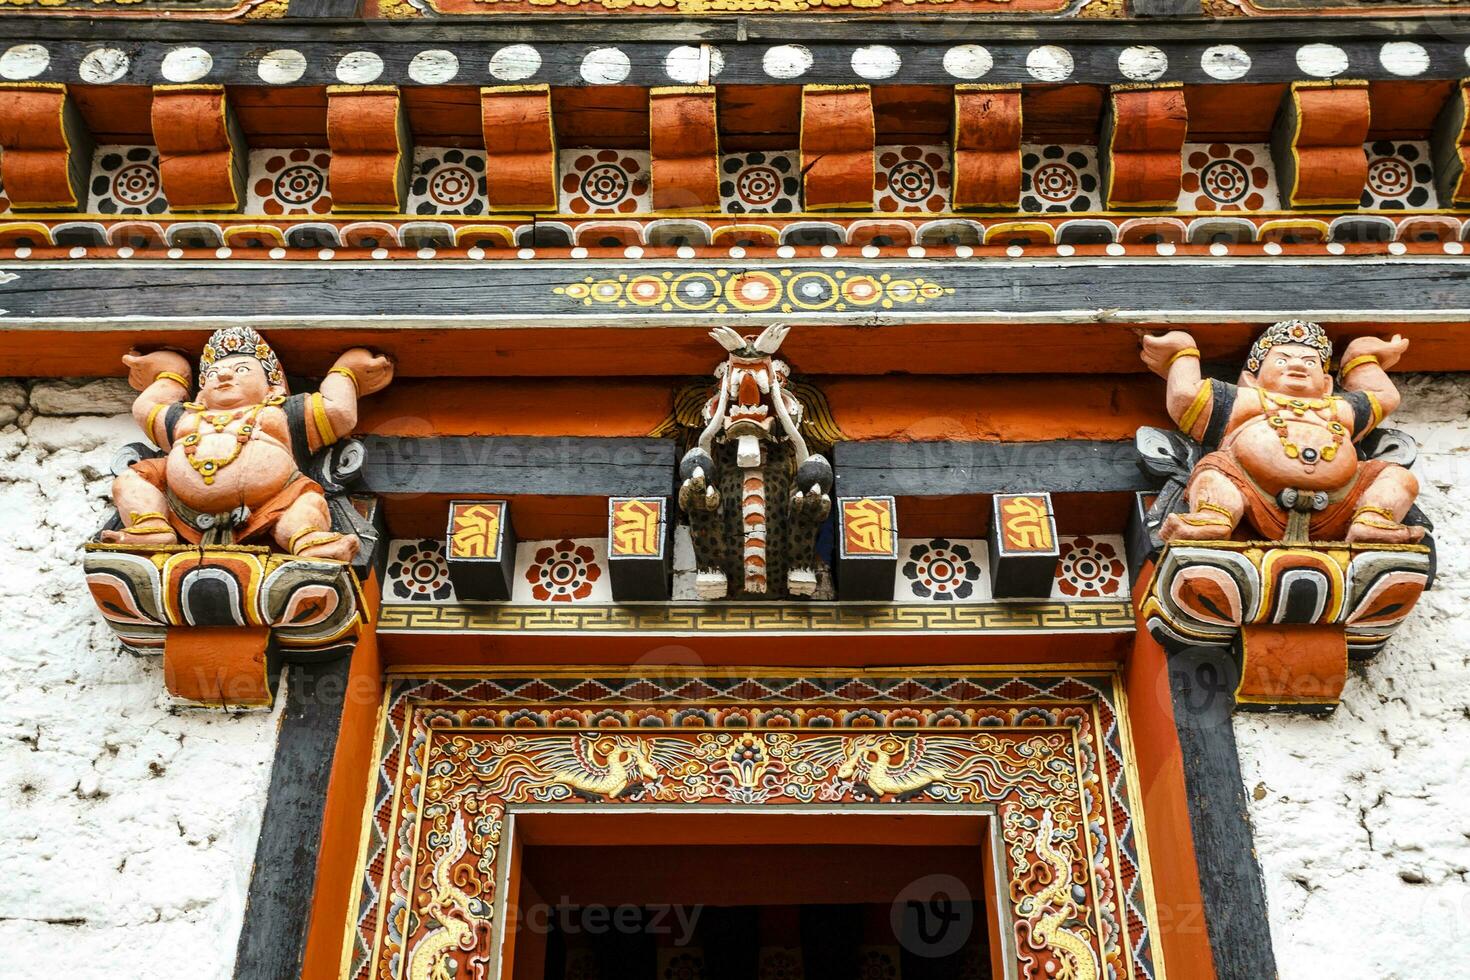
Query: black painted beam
{"type": "Point", "coordinates": [510, 465]}
{"type": "Point", "coordinates": [285, 295]}
{"type": "Point", "coordinates": [944, 469]}
{"type": "Point", "coordinates": [1203, 52]}
{"type": "Point", "coordinates": [278, 907]}
{"type": "Point", "coordinates": [1201, 683]}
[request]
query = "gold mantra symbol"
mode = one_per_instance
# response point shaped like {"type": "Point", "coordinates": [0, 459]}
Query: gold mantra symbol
{"type": "Point", "coordinates": [1025, 523]}
{"type": "Point", "coordinates": [869, 526]}
{"type": "Point", "coordinates": [476, 532]}
{"type": "Point", "coordinates": [635, 527]}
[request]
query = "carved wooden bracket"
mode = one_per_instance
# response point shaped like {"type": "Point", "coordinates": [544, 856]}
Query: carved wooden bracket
{"type": "Point", "coordinates": [1143, 136]}
{"type": "Point", "coordinates": [520, 147]}
{"type": "Point", "coordinates": [371, 148]}
{"type": "Point", "coordinates": [201, 150]}
{"type": "Point", "coordinates": [1451, 149]}
{"type": "Point", "coordinates": [685, 148]}
{"type": "Point", "coordinates": [1318, 143]}
{"type": "Point", "coordinates": [837, 139]}
{"type": "Point", "coordinates": [45, 149]}
{"type": "Point", "coordinates": [987, 146]}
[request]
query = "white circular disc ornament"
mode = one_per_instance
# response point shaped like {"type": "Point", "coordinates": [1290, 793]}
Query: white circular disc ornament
{"type": "Point", "coordinates": [281, 66]}
{"type": "Point", "coordinates": [434, 67]}
{"type": "Point", "coordinates": [515, 63]}
{"type": "Point", "coordinates": [187, 64]}
{"type": "Point", "coordinates": [24, 61]}
{"type": "Point", "coordinates": [876, 61]}
{"type": "Point", "coordinates": [1050, 63]}
{"type": "Point", "coordinates": [606, 66]}
{"type": "Point", "coordinates": [359, 68]}
{"type": "Point", "coordinates": [968, 61]}
{"type": "Point", "coordinates": [787, 61]}
{"type": "Point", "coordinates": [103, 65]}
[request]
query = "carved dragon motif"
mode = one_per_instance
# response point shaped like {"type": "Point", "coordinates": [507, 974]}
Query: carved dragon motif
{"type": "Point", "coordinates": [431, 959]}
{"type": "Point", "coordinates": [1053, 907]}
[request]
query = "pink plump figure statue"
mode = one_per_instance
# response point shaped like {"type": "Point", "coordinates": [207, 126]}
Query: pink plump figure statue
{"type": "Point", "coordinates": [1283, 433]}
{"type": "Point", "coordinates": [230, 459]}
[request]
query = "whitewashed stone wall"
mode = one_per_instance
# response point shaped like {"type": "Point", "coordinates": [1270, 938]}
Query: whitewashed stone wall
{"type": "Point", "coordinates": [128, 827]}
{"type": "Point", "coordinates": [1362, 820]}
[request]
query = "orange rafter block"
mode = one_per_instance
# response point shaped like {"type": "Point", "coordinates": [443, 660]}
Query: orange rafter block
{"type": "Point", "coordinates": [1318, 143]}
{"type": "Point", "coordinates": [201, 151]}
{"type": "Point", "coordinates": [1143, 143]}
{"type": "Point", "coordinates": [45, 150]}
{"type": "Point", "coordinates": [520, 147]}
{"type": "Point", "coordinates": [371, 147]}
{"type": "Point", "coordinates": [685, 148]}
{"type": "Point", "coordinates": [1303, 666]}
{"type": "Point", "coordinates": [219, 666]}
{"type": "Point", "coordinates": [1451, 149]}
{"type": "Point", "coordinates": [837, 138]}
{"type": "Point", "coordinates": [987, 146]}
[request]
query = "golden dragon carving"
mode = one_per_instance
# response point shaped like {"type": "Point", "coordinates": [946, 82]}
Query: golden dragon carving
{"type": "Point", "coordinates": [431, 959]}
{"type": "Point", "coordinates": [1054, 906]}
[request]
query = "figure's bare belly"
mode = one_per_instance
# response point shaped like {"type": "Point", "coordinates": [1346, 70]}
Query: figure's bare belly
{"type": "Point", "coordinates": [1260, 452]}
{"type": "Point", "coordinates": [262, 470]}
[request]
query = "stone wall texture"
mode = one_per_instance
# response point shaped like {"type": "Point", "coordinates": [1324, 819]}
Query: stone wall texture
{"type": "Point", "coordinates": [129, 826]}
{"type": "Point", "coordinates": [1362, 819]}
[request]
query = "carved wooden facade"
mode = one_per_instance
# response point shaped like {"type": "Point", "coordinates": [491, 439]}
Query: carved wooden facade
{"type": "Point", "coordinates": [921, 540]}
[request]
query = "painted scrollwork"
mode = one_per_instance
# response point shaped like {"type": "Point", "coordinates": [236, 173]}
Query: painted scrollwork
{"type": "Point", "coordinates": [467, 764]}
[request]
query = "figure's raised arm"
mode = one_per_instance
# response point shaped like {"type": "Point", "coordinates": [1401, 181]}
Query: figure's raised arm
{"type": "Point", "coordinates": [1175, 358]}
{"type": "Point", "coordinates": [163, 378]}
{"type": "Point", "coordinates": [1365, 364]}
{"type": "Point", "coordinates": [358, 372]}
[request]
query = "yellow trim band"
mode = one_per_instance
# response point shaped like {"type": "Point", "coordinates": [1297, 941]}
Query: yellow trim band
{"type": "Point", "coordinates": [1197, 407]}
{"type": "Point", "coordinates": [347, 373]}
{"type": "Point", "coordinates": [1186, 352]}
{"type": "Point", "coordinates": [1356, 362]}
{"type": "Point", "coordinates": [323, 424]}
{"type": "Point", "coordinates": [172, 376]}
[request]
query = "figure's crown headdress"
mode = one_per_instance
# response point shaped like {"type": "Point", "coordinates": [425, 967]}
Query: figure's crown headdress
{"type": "Point", "coordinates": [1303, 332]}
{"type": "Point", "coordinates": [230, 341]}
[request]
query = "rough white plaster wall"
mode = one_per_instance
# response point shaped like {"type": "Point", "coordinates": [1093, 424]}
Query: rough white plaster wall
{"type": "Point", "coordinates": [1362, 820]}
{"type": "Point", "coordinates": [128, 827]}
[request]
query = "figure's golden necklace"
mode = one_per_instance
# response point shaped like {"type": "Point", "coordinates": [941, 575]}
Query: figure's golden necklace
{"type": "Point", "coordinates": [1277, 407]}
{"type": "Point", "coordinates": [218, 422]}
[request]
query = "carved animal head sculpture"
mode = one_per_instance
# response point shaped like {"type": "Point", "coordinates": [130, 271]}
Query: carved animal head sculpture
{"type": "Point", "coordinates": [751, 448]}
{"type": "Point", "coordinates": [751, 398]}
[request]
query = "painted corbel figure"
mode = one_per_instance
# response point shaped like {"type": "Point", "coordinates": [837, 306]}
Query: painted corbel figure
{"type": "Point", "coordinates": [755, 495]}
{"type": "Point", "coordinates": [1282, 449]}
{"type": "Point", "coordinates": [231, 473]}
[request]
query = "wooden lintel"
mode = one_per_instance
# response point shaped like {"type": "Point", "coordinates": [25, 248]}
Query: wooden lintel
{"type": "Point", "coordinates": [508, 465]}
{"type": "Point", "coordinates": [942, 469]}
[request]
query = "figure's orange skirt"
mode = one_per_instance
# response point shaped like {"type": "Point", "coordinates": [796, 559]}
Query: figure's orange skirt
{"type": "Point", "coordinates": [262, 520]}
{"type": "Point", "coordinates": [1270, 518]}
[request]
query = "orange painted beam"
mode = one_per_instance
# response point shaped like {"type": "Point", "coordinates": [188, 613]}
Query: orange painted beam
{"type": "Point", "coordinates": [371, 148]}
{"type": "Point", "coordinates": [1166, 840]}
{"type": "Point", "coordinates": [520, 147]}
{"type": "Point", "coordinates": [45, 151]}
{"type": "Point", "coordinates": [944, 349]}
{"type": "Point", "coordinates": [684, 147]}
{"type": "Point", "coordinates": [201, 151]}
{"type": "Point", "coordinates": [1143, 143]}
{"type": "Point", "coordinates": [987, 146]}
{"type": "Point", "coordinates": [344, 817]}
{"type": "Point", "coordinates": [1292, 665]}
{"type": "Point", "coordinates": [837, 140]}
{"type": "Point", "coordinates": [1318, 143]}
